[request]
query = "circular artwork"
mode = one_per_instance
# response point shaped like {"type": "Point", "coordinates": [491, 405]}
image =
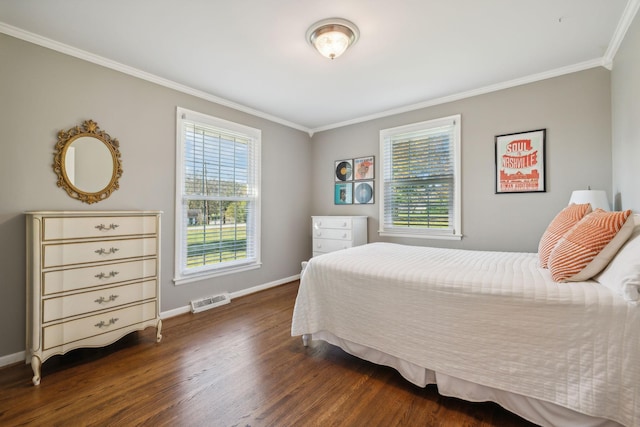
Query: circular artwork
{"type": "Point", "coordinates": [363, 193]}
{"type": "Point", "coordinates": [344, 171]}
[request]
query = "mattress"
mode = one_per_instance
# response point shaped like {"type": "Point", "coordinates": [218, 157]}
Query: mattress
{"type": "Point", "coordinates": [490, 318]}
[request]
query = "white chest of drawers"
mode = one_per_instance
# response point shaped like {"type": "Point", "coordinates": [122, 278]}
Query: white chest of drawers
{"type": "Point", "coordinates": [92, 277]}
{"type": "Point", "coordinates": [332, 233]}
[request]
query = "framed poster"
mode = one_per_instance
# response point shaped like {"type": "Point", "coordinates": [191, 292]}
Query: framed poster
{"type": "Point", "coordinates": [520, 162]}
{"type": "Point", "coordinates": [343, 170]}
{"type": "Point", "coordinates": [363, 192]}
{"type": "Point", "coordinates": [363, 167]}
{"type": "Point", "coordinates": [343, 193]}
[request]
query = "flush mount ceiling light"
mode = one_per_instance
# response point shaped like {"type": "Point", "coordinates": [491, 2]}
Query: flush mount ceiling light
{"type": "Point", "coordinates": [331, 37]}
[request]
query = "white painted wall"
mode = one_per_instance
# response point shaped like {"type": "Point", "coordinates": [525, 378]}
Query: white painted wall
{"type": "Point", "coordinates": [625, 92]}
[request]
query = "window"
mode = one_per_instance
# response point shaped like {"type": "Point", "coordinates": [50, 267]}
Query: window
{"type": "Point", "coordinates": [217, 197]}
{"type": "Point", "coordinates": [421, 180]}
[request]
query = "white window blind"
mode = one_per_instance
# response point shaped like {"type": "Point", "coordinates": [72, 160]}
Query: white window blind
{"type": "Point", "coordinates": [421, 179]}
{"type": "Point", "coordinates": [218, 216]}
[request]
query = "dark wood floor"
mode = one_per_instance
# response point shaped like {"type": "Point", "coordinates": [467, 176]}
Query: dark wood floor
{"type": "Point", "coordinates": [235, 365]}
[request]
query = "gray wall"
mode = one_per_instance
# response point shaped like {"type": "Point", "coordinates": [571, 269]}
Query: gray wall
{"type": "Point", "coordinates": [625, 92]}
{"type": "Point", "coordinates": [42, 92]}
{"type": "Point", "coordinates": [576, 111]}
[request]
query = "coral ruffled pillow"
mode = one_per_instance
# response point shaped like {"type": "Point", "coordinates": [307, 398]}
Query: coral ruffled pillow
{"type": "Point", "coordinates": [589, 246]}
{"type": "Point", "coordinates": [567, 218]}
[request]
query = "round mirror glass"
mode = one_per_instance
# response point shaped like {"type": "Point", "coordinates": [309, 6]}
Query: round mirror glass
{"type": "Point", "coordinates": [88, 164]}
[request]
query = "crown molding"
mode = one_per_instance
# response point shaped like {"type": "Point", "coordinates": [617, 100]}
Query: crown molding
{"type": "Point", "coordinates": [117, 66]}
{"type": "Point", "coordinates": [625, 21]}
{"type": "Point", "coordinates": [598, 62]}
{"type": "Point", "coordinates": [606, 61]}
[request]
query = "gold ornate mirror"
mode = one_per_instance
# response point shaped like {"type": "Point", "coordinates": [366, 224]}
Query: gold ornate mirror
{"type": "Point", "coordinates": [87, 162]}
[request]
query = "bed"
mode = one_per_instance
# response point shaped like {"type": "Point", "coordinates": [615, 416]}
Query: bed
{"type": "Point", "coordinates": [486, 326]}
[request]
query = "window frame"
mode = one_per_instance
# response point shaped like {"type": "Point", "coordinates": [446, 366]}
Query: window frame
{"type": "Point", "coordinates": [425, 233]}
{"type": "Point", "coordinates": [181, 273]}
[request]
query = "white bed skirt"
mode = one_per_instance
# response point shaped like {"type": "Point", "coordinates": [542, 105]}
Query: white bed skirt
{"type": "Point", "coordinates": [534, 410]}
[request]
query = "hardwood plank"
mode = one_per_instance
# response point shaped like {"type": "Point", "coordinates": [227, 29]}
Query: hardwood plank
{"type": "Point", "coordinates": [235, 365]}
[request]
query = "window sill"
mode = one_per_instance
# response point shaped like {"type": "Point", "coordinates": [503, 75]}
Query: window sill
{"type": "Point", "coordinates": [210, 274]}
{"type": "Point", "coordinates": [422, 236]}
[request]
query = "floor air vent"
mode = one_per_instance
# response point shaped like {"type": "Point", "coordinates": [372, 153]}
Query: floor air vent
{"type": "Point", "coordinates": [206, 303]}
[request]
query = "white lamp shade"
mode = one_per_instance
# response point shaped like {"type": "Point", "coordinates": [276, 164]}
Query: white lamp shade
{"type": "Point", "coordinates": [596, 198]}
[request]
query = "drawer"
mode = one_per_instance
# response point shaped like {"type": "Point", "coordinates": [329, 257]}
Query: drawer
{"type": "Point", "coordinates": [332, 233]}
{"type": "Point", "coordinates": [68, 332]}
{"type": "Point", "coordinates": [86, 302]}
{"type": "Point", "coordinates": [97, 226]}
{"type": "Point", "coordinates": [56, 255]}
{"type": "Point", "coordinates": [329, 222]}
{"type": "Point", "coordinates": [329, 245]}
{"type": "Point", "coordinates": [86, 277]}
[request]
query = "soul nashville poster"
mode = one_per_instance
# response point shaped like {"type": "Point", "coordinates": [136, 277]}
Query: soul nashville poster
{"type": "Point", "coordinates": [520, 162]}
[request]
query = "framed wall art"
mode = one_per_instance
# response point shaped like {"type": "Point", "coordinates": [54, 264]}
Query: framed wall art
{"type": "Point", "coordinates": [363, 192]}
{"type": "Point", "coordinates": [343, 170]}
{"type": "Point", "coordinates": [520, 162]}
{"type": "Point", "coordinates": [363, 168]}
{"type": "Point", "coordinates": [343, 193]}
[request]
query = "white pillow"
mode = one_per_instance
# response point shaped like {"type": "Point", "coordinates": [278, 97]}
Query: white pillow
{"type": "Point", "coordinates": [622, 275]}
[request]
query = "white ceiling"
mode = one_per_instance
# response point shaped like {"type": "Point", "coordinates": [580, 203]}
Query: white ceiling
{"type": "Point", "coordinates": [252, 54]}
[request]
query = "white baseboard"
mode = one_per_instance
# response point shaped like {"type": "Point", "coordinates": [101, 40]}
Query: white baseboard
{"type": "Point", "coordinates": [187, 309]}
{"type": "Point", "coordinates": [10, 359]}
{"type": "Point", "coordinates": [17, 357]}
{"type": "Point", "coordinates": [175, 312]}
{"type": "Point", "coordinates": [263, 287]}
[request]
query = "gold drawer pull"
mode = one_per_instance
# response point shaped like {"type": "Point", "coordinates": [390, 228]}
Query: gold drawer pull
{"type": "Point", "coordinates": [103, 227]}
{"type": "Point", "coordinates": [103, 324]}
{"type": "Point", "coordinates": [102, 275]}
{"type": "Point", "coordinates": [102, 251]}
{"type": "Point", "coordinates": [102, 300]}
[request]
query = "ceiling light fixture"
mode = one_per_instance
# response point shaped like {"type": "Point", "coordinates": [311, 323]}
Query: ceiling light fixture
{"type": "Point", "coordinates": [331, 37]}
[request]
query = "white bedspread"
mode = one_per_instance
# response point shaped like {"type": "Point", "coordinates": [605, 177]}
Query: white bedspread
{"type": "Point", "coordinates": [492, 318]}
